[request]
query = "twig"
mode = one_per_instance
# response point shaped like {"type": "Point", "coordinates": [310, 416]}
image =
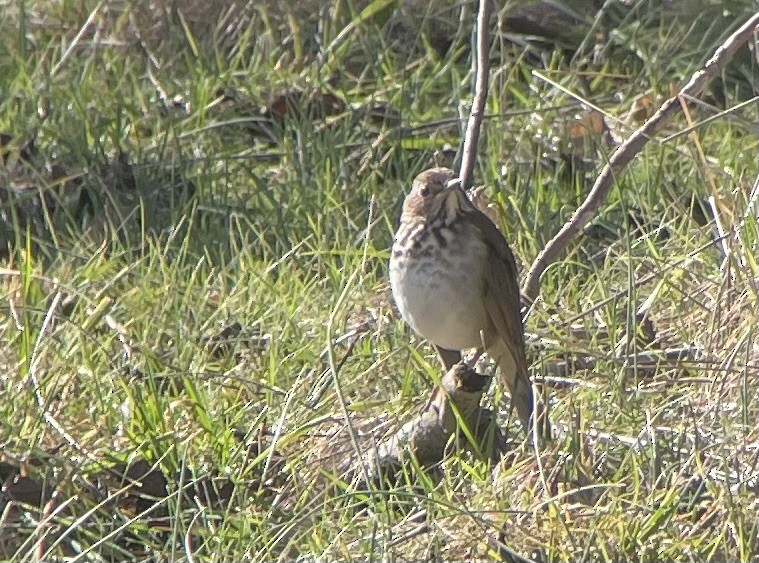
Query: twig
{"type": "Point", "coordinates": [418, 516]}
{"type": "Point", "coordinates": [627, 151]}
{"type": "Point", "coordinates": [719, 232]}
{"type": "Point", "coordinates": [34, 383]}
{"type": "Point", "coordinates": [752, 203]}
{"type": "Point", "coordinates": [472, 134]}
{"type": "Point", "coordinates": [756, 54]}
{"type": "Point", "coordinates": [505, 552]}
{"type": "Point", "coordinates": [77, 38]}
{"type": "Point", "coordinates": [664, 359]}
{"type": "Point", "coordinates": [188, 536]}
{"type": "Point", "coordinates": [325, 380]}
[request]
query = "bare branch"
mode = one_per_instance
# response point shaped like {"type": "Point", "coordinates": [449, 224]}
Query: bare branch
{"type": "Point", "coordinates": [627, 151]}
{"type": "Point", "coordinates": [472, 134]}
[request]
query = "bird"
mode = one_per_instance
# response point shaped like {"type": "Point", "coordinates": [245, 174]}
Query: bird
{"type": "Point", "coordinates": [454, 280]}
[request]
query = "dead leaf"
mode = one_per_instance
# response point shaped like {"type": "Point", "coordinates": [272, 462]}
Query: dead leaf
{"type": "Point", "coordinates": [643, 108]}
{"type": "Point", "coordinates": [296, 102]}
{"type": "Point", "coordinates": [25, 490]}
{"type": "Point", "coordinates": [585, 132]}
{"type": "Point", "coordinates": [223, 343]}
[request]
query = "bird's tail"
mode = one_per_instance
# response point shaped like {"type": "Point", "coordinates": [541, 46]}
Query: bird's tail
{"type": "Point", "coordinates": [531, 412]}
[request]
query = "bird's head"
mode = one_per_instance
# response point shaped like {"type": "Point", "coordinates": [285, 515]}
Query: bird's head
{"type": "Point", "coordinates": [434, 193]}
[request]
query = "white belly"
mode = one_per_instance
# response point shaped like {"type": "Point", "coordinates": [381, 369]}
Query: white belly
{"type": "Point", "coordinates": [448, 313]}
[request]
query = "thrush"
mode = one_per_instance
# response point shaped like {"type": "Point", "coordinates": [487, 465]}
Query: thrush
{"type": "Point", "coordinates": [454, 279]}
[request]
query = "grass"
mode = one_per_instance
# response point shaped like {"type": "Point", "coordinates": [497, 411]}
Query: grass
{"type": "Point", "coordinates": [183, 208]}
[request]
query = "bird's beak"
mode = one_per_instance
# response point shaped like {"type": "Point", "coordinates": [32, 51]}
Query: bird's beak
{"type": "Point", "coordinates": [453, 184]}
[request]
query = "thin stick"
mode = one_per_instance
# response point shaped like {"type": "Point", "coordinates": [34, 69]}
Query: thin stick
{"type": "Point", "coordinates": [627, 151]}
{"type": "Point", "coordinates": [77, 38]}
{"type": "Point", "coordinates": [472, 134]}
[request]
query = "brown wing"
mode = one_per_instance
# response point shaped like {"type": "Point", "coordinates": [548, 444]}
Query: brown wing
{"type": "Point", "coordinates": [504, 309]}
{"type": "Point", "coordinates": [503, 286]}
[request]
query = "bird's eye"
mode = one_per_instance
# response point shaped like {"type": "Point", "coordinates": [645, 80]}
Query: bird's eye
{"type": "Point", "coordinates": [425, 191]}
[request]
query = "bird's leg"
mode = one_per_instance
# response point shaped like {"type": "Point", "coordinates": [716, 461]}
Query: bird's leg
{"type": "Point", "coordinates": [449, 357]}
{"type": "Point", "coordinates": [478, 353]}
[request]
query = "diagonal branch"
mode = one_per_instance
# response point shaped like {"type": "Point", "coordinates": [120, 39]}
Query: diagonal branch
{"type": "Point", "coordinates": [627, 151]}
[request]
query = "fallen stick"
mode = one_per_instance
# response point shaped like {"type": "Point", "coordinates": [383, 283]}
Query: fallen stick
{"type": "Point", "coordinates": [662, 359]}
{"type": "Point", "coordinates": [428, 434]}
